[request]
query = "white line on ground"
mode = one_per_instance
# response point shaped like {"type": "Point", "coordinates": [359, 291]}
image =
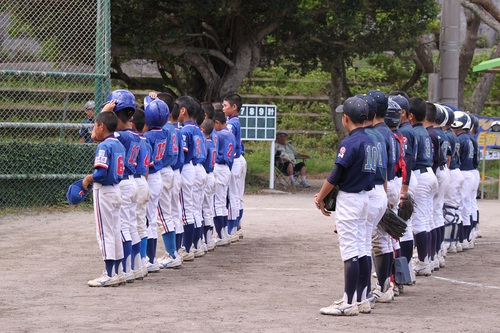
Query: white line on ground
{"type": "Point", "coordinates": [275, 208]}
{"type": "Point", "coordinates": [486, 243]}
{"type": "Point", "coordinates": [466, 283]}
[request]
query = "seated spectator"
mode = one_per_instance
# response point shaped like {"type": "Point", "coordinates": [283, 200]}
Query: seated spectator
{"type": "Point", "coordinates": [287, 162]}
{"type": "Point", "coordinates": [86, 132]}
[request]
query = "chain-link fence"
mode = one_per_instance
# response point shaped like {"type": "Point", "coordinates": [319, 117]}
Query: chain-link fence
{"type": "Point", "coordinates": [54, 57]}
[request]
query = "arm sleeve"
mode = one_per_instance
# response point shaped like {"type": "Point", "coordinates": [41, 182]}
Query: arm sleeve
{"type": "Point", "coordinates": [99, 175]}
{"type": "Point", "coordinates": [334, 176]}
{"type": "Point", "coordinates": [409, 166]}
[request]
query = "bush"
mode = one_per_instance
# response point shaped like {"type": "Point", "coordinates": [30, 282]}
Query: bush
{"type": "Point", "coordinates": [38, 174]}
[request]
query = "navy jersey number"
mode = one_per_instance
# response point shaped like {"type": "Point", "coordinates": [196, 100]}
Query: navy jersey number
{"type": "Point", "coordinates": [371, 159]}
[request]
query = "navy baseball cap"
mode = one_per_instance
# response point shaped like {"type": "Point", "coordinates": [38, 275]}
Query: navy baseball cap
{"type": "Point", "coordinates": [76, 193]}
{"type": "Point", "coordinates": [380, 98]}
{"type": "Point", "coordinates": [402, 101]}
{"type": "Point", "coordinates": [354, 107]}
{"type": "Point", "coordinates": [372, 105]}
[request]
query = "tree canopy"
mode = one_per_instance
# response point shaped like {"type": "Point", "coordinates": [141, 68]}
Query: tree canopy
{"type": "Point", "coordinates": [204, 49]}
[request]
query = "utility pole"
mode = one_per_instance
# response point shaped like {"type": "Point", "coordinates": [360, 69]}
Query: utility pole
{"type": "Point", "coordinates": [449, 49]}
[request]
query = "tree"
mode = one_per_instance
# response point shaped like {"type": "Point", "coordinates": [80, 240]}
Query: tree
{"type": "Point", "coordinates": [489, 13]}
{"type": "Point", "coordinates": [204, 49]}
{"type": "Point", "coordinates": [332, 34]}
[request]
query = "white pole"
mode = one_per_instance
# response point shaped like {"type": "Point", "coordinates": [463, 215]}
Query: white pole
{"type": "Point", "coordinates": [271, 166]}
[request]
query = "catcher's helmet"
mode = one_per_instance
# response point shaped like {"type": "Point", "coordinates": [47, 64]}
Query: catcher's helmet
{"type": "Point", "coordinates": [393, 116]}
{"type": "Point", "coordinates": [402, 101]}
{"type": "Point", "coordinates": [156, 111]}
{"type": "Point", "coordinates": [124, 99]}
{"type": "Point", "coordinates": [462, 121]}
{"type": "Point", "coordinates": [76, 193]}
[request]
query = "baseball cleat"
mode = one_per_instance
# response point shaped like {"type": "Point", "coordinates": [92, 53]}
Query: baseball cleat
{"type": "Point", "coordinates": [383, 297]}
{"type": "Point", "coordinates": [422, 268]}
{"type": "Point", "coordinates": [199, 252]}
{"type": "Point", "coordinates": [211, 246]}
{"type": "Point", "coordinates": [104, 281]}
{"type": "Point", "coordinates": [340, 309]}
{"type": "Point", "coordinates": [364, 307]}
{"type": "Point", "coordinates": [138, 274]}
{"type": "Point", "coordinates": [153, 267]}
{"type": "Point", "coordinates": [188, 256]}
{"type": "Point", "coordinates": [130, 277]}
{"type": "Point", "coordinates": [171, 262]}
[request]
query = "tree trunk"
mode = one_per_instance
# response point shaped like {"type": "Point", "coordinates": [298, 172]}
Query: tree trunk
{"type": "Point", "coordinates": [335, 96]}
{"type": "Point", "coordinates": [482, 89]}
{"type": "Point", "coordinates": [243, 61]}
{"type": "Point", "coordinates": [467, 52]}
{"type": "Point", "coordinates": [417, 73]}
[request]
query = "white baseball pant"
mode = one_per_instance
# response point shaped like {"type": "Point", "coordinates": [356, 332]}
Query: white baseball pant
{"type": "Point", "coordinates": [350, 216]}
{"type": "Point", "coordinates": [107, 202]}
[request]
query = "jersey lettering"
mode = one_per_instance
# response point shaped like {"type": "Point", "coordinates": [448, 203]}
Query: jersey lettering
{"type": "Point", "coordinates": [198, 146]}
{"type": "Point", "coordinates": [120, 166]}
{"type": "Point", "coordinates": [370, 159]}
{"type": "Point", "coordinates": [229, 150]}
{"type": "Point", "coordinates": [160, 150]}
{"type": "Point", "coordinates": [214, 155]}
{"type": "Point", "coordinates": [377, 158]}
{"type": "Point", "coordinates": [427, 147]}
{"type": "Point", "coordinates": [471, 150]}
{"type": "Point", "coordinates": [175, 147]}
{"type": "Point", "coordinates": [134, 152]}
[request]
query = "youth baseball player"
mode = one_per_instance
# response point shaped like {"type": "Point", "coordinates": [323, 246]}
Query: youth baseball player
{"type": "Point", "coordinates": [231, 107]}
{"type": "Point", "coordinates": [156, 112]}
{"type": "Point", "coordinates": [427, 185]}
{"type": "Point", "coordinates": [354, 173]}
{"type": "Point", "coordinates": [461, 127]}
{"type": "Point", "coordinates": [192, 146]}
{"type": "Point", "coordinates": [222, 173]}
{"type": "Point", "coordinates": [122, 103]}
{"type": "Point", "coordinates": [207, 128]}
{"type": "Point", "coordinates": [452, 197]}
{"type": "Point", "coordinates": [108, 172]}
{"type": "Point", "coordinates": [141, 169]}
{"type": "Point", "coordinates": [377, 203]}
{"type": "Point", "coordinates": [411, 183]}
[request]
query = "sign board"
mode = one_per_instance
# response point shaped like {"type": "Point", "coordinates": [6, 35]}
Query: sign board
{"type": "Point", "coordinates": [258, 122]}
{"type": "Point", "coordinates": [492, 139]}
{"type": "Point", "coordinates": [491, 155]}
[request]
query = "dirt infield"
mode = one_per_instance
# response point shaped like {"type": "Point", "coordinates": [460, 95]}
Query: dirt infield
{"type": "Point", "coordinates": [274, 280]}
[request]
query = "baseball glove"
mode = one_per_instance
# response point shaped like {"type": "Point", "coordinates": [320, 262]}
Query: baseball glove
{"type": "Point", "coordinates": [330, 200]}
{"type": "Point", "coordinates": [393, 224]}
{"type": "Point", "coordinates": [406, 206]}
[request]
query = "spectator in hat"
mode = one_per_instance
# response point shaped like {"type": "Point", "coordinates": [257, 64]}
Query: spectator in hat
{"type": "Point", "coordinates": [288, 159]}
{"type": "Point", "coordinates": [86, 132]}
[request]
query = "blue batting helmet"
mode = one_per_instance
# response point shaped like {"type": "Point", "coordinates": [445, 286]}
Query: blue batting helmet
{"type": "Point", "coordinates": [124, 99]}
{"type": "Point", "coordinates": [157, 112]}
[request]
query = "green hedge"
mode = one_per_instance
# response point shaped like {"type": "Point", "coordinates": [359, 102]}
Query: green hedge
{"type": "Point", "coordinates": [38, 174]}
